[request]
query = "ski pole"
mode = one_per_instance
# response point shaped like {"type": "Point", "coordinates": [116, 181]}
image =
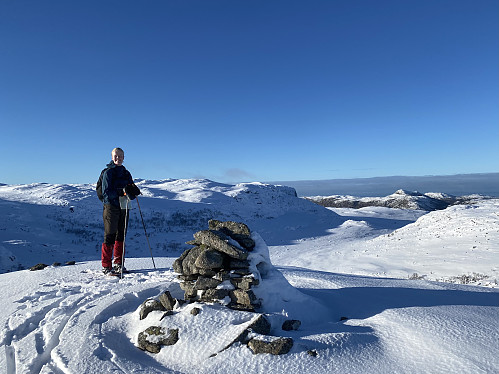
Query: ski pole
{"type": "Point", "coordinates": [124, 237]}
{"type": "Point", "coordinates": [145, 232]}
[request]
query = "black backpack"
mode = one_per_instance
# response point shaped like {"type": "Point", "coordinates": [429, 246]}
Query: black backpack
{"type": "Point", "coordinates": [98, 188]}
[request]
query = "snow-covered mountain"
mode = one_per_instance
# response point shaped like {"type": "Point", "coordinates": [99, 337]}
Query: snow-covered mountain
{"type": "Point", "coordinates": [401, 199]}
{"type": "Point", "coordinates": [397, 288]}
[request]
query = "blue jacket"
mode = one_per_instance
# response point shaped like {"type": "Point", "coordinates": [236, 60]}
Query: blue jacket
{"type": "Point", "coordinates": [114, 179]}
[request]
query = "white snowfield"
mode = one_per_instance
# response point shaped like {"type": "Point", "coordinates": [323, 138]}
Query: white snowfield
{"type": "Point", "coordinates": [329, 264]}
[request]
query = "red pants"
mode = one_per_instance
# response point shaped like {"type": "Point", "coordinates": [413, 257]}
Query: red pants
{"type": "Point", "coordinates": [107, 254]}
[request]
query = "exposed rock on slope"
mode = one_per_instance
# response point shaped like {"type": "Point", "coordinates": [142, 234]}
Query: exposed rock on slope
{"type": "Point", "coordinates": [401, 199]}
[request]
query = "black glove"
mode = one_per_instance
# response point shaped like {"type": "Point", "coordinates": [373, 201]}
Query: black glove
{"type": "Point", "coordinates": [121, 192]}
{"type": "Point", "coordinates": [132, 191]}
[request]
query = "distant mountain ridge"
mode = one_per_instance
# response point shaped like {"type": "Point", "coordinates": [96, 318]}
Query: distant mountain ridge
{"type": "Point", "coordinates": [457, 185]}
{"type": "Point", "coordinates": [401, 199]}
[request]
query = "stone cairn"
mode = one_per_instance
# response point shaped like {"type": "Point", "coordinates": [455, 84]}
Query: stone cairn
{"type": "Point", "coordinates": [217, 270]}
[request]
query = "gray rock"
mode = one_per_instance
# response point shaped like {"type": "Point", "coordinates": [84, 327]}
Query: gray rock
{"type": "Point", "coordinates": [222, 276]}
{"type": "Point", "coordinates": [195, 311]}
{"type": "Point", "coordinates": [245, 283]}
{"type": "Point", "coordinates": [278, 346]}
{"type": "Point", "coordinates": [207, 272]}
{"type": "Point", "coordinates": [220, 241]}
{"type": "Point", "coordinates": [214, 295]}
{"type": "Point", "coordinates": [245, 241]}
{"type": "Point", "coordinates": [154, 337]}
{"type": "Point", "coordinates": [209, 259]}
{"type": "Point", "coordinates": [190, 277]}
{"type": "Point", "coordinates": [204, 283]}
{"type": "Point", "coordinates": [38, 267]}
{"type": "Point", "coordinates": [243, 297]}
{"type": "Point", "coordinates": [261, 325]}
{"type": "Point", "coordinates": [229, 226]}
{"type": "Point", "coordinates": [167, 300]}
{"type": "Point", "coordinates": [189, 262]}
{"type": "Point", "coordinates": [291, 324]}
{"type": "Point", "coordinates": [236, 230]}
{"type": "Point", "coordinates": [177, 264]}
{"type": "Point", "coordinates": [189, 289]}
{"type": "Point", "coordinates": [244, 300]}
{"type": "Point", "coordinates": [148, 306]}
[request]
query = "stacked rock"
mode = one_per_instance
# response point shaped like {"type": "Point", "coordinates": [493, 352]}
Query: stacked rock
{"type": "Point", "coordinates": [217, 269]}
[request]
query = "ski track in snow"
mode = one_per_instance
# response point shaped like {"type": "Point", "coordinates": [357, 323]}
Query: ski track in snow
{"type": "Point", "coordinates": [79, 321]}
{"type": "Point", "coordinates": [34, 335]}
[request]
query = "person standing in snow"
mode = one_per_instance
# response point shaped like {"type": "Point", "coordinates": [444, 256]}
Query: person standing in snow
{"type": "Point", "coordinates": [114, 188]}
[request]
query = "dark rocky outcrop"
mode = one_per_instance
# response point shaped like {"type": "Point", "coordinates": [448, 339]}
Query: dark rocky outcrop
{"type": "Point", "coordinates": [401, 199]}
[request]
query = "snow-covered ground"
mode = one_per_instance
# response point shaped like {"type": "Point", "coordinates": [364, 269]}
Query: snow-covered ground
{"type": "Point", "coordinates": [375, 266]}
{"type": "Point", "coordinates": [459, 244]}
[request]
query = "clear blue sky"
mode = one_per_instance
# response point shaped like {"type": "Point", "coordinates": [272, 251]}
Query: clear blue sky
{"type": "Point", "coordinates": [248, 90]}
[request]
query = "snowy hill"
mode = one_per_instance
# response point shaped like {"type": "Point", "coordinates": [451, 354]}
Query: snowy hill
{"type": "Point", "coordinates": [459, 244]}
{"type": "Point", "coordinates": [57, 223]}
{"type": "Point", "coordinates": [377, 267]}
{"type": "Point", "coordinates": [401, 199]}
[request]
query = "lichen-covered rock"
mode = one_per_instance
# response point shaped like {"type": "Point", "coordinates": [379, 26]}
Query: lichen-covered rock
{"type": "Point", "coordinates": [221, 242]}
{"type": "Point", "coordinates": [236, 230]}
{"type": "Point", "coordinates": [243, 297]}
{"type": "Point", "coordinates": [274, 346]}
{"type": "Point", "coordinates": [213, 295]}
{"type": "Point", "coordinates": [189, 261]}
{"type": "Point", "coordinates": [245, 283]}
{"type": "Point", "coordinates": [230, 226]}
{"type": "Point", "coordinates": [204, 283]}
{"type": "Point", "coordinates": [154, 337]}
{"type": "Point", "coordinates": [244, 300]}
{"type": "Point", "coordinates": [148, 306]}
{"type": "Point", "coordinates": [209, 259]}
